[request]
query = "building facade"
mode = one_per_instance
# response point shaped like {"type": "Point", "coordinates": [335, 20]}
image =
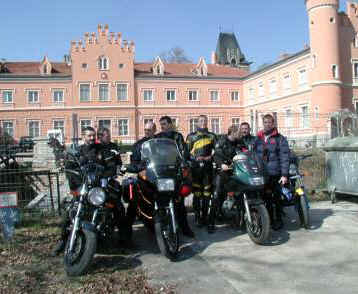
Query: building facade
{"type": "Point", "coordinates": [101, 83]}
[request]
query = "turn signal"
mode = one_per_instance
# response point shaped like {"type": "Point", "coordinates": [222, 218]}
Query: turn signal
{"type": "Point", "coordinates": [184, 190]}
{"type": "Point", "coordinates": [186, 172]}
{"type": "Point", "coordinates": [143, 175]}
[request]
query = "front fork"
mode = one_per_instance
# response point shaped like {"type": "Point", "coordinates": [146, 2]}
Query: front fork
{"type": "Point", "coordinates": [76, 226]}
{"type": "Point", "coordinates": [171, 211]}
{"type": "Point", "coordinates": [247, 209]}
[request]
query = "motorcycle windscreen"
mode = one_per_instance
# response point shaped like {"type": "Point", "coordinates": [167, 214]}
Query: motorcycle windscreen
{"type": "Point", "coordinates": [248, 163]}
{"type": "Point", "coordinates": [160, 151]}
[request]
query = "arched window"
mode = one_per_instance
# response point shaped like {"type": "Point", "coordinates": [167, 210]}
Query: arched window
{"type": "Point", "coordinates": [103, 63]}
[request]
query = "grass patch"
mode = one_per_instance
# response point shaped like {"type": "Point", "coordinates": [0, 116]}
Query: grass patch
{"type": "Point", "coordinates": [26, 266]}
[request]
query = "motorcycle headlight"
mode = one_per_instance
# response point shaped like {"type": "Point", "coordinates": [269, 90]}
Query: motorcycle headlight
{"type": "Point", "coordinates": [165, 185]}
{"type": "Point", "coordinates": [97, 196]}
{"type": "Point", "coordinates": [257, 181]}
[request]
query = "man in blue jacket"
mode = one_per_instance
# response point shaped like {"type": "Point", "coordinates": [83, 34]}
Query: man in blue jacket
{"type": "Point", "coordinates": [273, 149]}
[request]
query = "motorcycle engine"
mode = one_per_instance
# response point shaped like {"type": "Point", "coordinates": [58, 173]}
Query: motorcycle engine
{"type": "Point", "coordinates": [227, 207]}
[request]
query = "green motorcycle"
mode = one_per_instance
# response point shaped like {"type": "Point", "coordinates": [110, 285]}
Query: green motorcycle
{"type": "Point", "coordinates": [243, 201]}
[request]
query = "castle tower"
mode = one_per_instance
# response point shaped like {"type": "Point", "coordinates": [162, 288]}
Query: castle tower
{"type": "Point", "coordinates": [326, 80]}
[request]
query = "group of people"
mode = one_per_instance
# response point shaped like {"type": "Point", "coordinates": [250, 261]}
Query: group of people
{"type": "Point", "coordinates": [204, 151]}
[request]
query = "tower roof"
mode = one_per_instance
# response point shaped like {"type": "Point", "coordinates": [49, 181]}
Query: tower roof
{"type": "Point", "coordinates": [228, 51]}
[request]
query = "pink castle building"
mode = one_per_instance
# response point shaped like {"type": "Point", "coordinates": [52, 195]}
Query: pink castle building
{"type": "Point", "coordinates": [102, 84]}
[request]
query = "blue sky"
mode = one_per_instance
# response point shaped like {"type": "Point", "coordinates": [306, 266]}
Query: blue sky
{"type": "Point", "coordinates": [33, 28]}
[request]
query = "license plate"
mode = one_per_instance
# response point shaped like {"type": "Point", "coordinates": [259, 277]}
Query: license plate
{"type": "Point", "coordinates": [299, 191]}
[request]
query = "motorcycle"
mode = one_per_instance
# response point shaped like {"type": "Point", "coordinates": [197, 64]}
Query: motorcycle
{"type": "Point", "coordinates": [243, 202]}
{"type": "Point", "coordinates": [93, 213]}
{"type": "Point", "coordinates": [157, 191]}
{"type": "Point", "coordinates": [298, 191]}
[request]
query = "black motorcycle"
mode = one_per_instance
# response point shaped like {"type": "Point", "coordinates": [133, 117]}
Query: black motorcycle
{"type": "Point", "coordinates": [94, 212]}
{"type": "Point", "coordinates": [158, 189]}
{"type": "Point", "coordinates": [243, 200]}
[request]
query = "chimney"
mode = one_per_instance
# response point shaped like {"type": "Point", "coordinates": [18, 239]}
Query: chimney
{"type": "Point", "coordinates": [213, 57]}
{"type": "Point", "coordinates": [106, 29]}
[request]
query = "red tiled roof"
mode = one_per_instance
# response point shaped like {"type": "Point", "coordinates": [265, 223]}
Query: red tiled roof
{"type": "Point", "coordinates": [176, 69]}
{"type": "Point", "coordinates": [32, 68]}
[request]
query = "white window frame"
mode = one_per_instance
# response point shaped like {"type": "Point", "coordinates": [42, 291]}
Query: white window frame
{"type": "Point", "coordinates": [148, 91]}
{"type": "Point", "coordinates": [28, 96]}
{"type": "Point", "coordinates": [5, 128]}
{"type": "Point", "coordinates": [118, 84]}
{"type": "Point", "coordinates": [235, 118]}
{"type": "Point", "coordinates": [89, 92]}
{"type": "Point", "coordinates": [170, 98]}
{"type": "Point", "coordinates": [335, 71]}
{"type": "Point", "coordinates": [260, 89]}
{"type": "Point", "coordinates": [251, 93]}
{"type": "Point", "coordinates": [212, 126]}
{"type": "Point", "coordinates": [54, 98]}
{"type": "Point", "coordinates": [217, 95]}
{"type": "Point", "coordinates": [302, 76]}
{"type": "Point", "coordinates": [7, 91]}
{"type": "Point", "coordinates": [85, 119]}
{"type": "Point", "coordinates": [28, 127]}
{"type": "Point", "coordinates": [235, 95]}
{"type": "Point", "coordinates": [101, 64]}
{"type": "Point", "coordinates": [193, 124]}
{"type": "Point", "coordinates": [196, 95]}
{"type": "Point", "coordinates": [118, 126]}
{"type": "Point", "coordinates": [286, 82]}
{"type": "Point", "coordinates": [273, 86]}
{"type": "Point", "coordinates": [316, 113]}
{"type": "Point", "coordinates": [105, 119]}
{"type": "Point", "coordinates": [288, 118]}
{"type": "Point", "coordinates": [56, 128]}
{"type": "Point", "coordinates": [108, 98]}
{"type": "Point", "coordinates": [305, 125]}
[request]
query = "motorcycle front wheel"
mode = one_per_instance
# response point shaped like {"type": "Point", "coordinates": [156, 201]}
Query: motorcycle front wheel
{"type": "Point", "coordinates": [78, 261]}
{"type": "Point", "coordinates": [168, 241]}
{"type": "Point", "coordinates": [259, 229]}
{"type": "Point", "coordinates": [303, 212]}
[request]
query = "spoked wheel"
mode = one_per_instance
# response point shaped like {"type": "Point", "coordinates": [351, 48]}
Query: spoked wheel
{"type": "Point", "coordinates": [303, 212]}
{"type": "Point", "coordinates": [259, 229]}
{"type": "Point", "coordinates": [167, 240]}
{"type": "Point", "coordinates": [78, 261]}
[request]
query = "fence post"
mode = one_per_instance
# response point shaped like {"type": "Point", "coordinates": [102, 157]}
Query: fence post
{"type": "Point", "coordinates": [58, 194]}
{"type": "Point", "coordinates": [51, 194]}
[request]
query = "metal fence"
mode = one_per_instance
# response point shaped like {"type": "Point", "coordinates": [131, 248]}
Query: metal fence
{"type": "Point", "coordinates": [32, 192]}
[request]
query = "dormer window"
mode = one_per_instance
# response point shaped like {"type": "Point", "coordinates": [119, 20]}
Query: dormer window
{"type": "Point", "coordinates": [158, 67]}
{"type": "Point", "coordinates": [103, 63]}
{"type": "Point", "coordinates": [201, 68]}
{"type": "Point", "coordinates": [45, 66]}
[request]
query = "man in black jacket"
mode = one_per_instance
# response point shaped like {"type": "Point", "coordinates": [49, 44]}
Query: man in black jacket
{"type": "Point", "coordinates": [88, 151]}
{"type": "Point", "coordinates": [136, 161]}
{"type": "Point", "coordinates": [246, 137]}
{"type": "Point", "coordinates": [201, 144]}
{"type": "Point", "coordinates": [273, 149]}
{"type": "Point", "coordinates": [168, 132]}
{"type": "Point", "coordinates": [225, 150]}
{"type": "Point", "coordinates": [110, 151]}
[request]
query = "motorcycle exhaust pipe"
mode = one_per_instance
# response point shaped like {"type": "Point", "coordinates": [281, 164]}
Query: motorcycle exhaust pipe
{"type": "Point", "coordinates": [247, 208]}
{"type": "Point", "coordinates": [171, 209]}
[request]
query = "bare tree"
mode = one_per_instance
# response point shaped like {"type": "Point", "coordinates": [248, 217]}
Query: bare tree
{"type": "Point", "coordinates": [175, 55]}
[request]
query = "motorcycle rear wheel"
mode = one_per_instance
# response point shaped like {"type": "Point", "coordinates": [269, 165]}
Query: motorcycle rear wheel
{"type": "Point", "coordinates": [303, 212]}
{"type": "Point", "coordinates": [168, 241]}
{"type": "Point", "coordinates": [78, 262]}
{"type": "Point", "coordinates": [259, 229]}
